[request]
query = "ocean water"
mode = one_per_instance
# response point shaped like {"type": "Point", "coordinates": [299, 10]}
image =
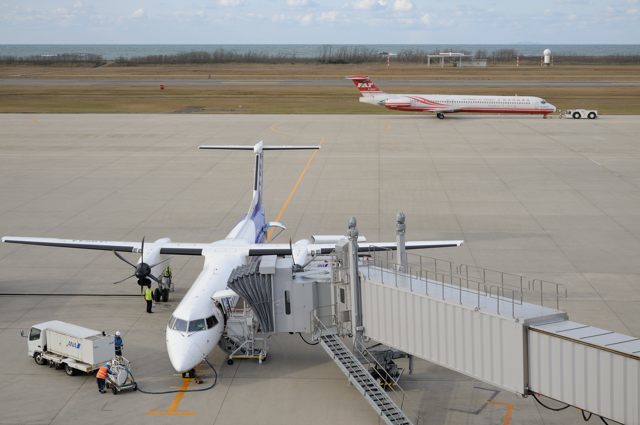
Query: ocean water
{"type": "Point", "coordinates": [113, 51]}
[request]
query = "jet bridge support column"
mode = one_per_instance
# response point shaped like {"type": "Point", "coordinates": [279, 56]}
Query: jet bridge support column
{"type": "Point", "coordinates": [354, 279]}
{"type": "Point", "coordinates": [400, 240]}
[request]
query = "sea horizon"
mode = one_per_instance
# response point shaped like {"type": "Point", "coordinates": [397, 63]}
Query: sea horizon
{"type": "Point", "coordinates": [302, 50]}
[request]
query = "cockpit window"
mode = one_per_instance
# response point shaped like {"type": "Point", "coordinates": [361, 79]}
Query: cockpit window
{"type": "Point", "coordinates": [211, 322]}
{"type": "Point", "coordinates": [197, 325]}
{"type": "Point", "coordinates": [178, 324]}
{"type": "Point", "coordinates": [544, 102]}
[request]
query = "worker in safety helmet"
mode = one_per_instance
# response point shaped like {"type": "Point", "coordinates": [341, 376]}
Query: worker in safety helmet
{"type": "Point", "coordinates": [102, 375]}
{"type": "Point", "coordinates": [118, 343]}
{"type": "Point", "coordinates": [148, 297]}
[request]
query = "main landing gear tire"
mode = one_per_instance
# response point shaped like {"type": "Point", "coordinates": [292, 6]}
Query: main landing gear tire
{"type": "Point", "coordinates": [592, 115]}
{"type": "Point", "coordinates": [39, 359]}
{"type": "Point", "coordinates": [229, 362]}
{"type": "Point", "coordinates": [165, 295]}
{"type": "Point", "coordinates": [576, 115]}
{"type": "Point", "coordinates": [440, 115]}
{"type": "Point", "coordinates": [156, 295]}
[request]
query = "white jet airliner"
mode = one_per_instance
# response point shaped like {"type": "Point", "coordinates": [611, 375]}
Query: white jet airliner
{"type": "Point", "coordinates": [197, 324]}
{"type": "Point", "coordinates": [442, 104]}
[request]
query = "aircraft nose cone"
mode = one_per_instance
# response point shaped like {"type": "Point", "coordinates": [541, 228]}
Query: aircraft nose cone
{"type": "Point", "coordinates": [183, 354]}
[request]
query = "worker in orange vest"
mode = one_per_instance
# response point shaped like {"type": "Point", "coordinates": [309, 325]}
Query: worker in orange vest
{"type": "Point", "coordinates": [102, 375]}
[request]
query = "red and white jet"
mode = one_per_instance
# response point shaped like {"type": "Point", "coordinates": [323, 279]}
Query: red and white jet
{"type": "Point", "coordinates": [441, 104]}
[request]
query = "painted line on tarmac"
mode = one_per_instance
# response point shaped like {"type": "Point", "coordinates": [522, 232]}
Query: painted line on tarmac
{"type": "Point", "coordinates": [287, 201]}
{"type": "Point", "coordinates": [173, 407]}
{"type": "Point", "coordinates": [508, 414]}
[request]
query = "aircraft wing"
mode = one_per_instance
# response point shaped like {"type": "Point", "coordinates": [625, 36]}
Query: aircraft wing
{"type": "Point", "coordinates": [314, 249]}
{"type": "Point", "coordinates": [169, 248]}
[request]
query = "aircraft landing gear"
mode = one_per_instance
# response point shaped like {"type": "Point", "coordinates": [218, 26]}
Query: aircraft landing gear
{"type": "Point", "coordinates": [189, 374]}
{"type": "Point", "coordinates": [440, 115]}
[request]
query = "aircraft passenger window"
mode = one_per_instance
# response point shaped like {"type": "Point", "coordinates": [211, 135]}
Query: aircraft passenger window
{"type": "Point", "coordinates": [197, 325]}
{"type": "Point", "coordinates": [211, 322]}
{"type": "Point", "coordinates": [180, 325]}
{"type": "Point", "coordinates": [34, 334]}
{"type": "Point", "coordinates": [287, 303]}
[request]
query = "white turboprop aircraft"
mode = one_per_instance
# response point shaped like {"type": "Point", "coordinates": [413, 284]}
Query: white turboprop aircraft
{"type": "Point", "coordinates": [197, 324]}
{"type": "Point", "coordinates": [442, 104]}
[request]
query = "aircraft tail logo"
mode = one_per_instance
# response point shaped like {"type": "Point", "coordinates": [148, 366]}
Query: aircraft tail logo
{"type": "Point", "coordinates": [364, 84]}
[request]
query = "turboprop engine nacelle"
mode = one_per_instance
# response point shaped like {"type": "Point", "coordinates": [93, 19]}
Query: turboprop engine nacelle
{"type": "Point", "coordinates": [303, 252]}
{"type": "Point", "coordinates": [152, 256]}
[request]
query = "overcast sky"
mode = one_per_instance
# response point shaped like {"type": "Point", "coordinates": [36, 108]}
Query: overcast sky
{"type": "Point", "coordinates": [319, 22]}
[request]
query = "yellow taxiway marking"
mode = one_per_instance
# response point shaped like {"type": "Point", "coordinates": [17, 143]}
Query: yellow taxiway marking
{"type": "Point", "coordinates": [173, 407]}
{"type": "Point", "coordinates": [287, 201]}
{"type": "Point", "coordinates": [509, 413]}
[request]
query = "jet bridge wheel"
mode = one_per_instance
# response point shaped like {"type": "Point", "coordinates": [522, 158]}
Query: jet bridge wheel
{"type": "Point", "coordinates": [440, 115]}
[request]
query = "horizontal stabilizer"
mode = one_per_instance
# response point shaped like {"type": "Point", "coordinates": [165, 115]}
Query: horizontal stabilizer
{"type": "Point", "coordinates": [264, 148]}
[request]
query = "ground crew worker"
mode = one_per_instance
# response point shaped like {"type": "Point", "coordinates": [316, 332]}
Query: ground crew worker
{"type": "Point", "coordinates": [102, 375]}
{"type": "Point", "coordinates": [167, 272]}
{"type": "Point", "coordinates": [148, 297]}
{"type": "Point", "coordinates": [118, 343]}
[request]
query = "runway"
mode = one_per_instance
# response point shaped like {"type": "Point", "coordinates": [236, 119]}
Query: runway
{"type": "Point", "coordinates": [77, 82]}
{"type": "Point", "coordinates": [555, 199]}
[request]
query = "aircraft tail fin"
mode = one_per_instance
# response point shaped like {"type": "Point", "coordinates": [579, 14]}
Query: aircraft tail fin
{"type": "Point", "coordinates": [256, 211]}
{"type": "Point", "coordinates": [364, 84]}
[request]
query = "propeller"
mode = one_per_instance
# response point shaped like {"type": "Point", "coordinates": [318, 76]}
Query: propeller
{"type": "Point", "coordinates": [142, 270]}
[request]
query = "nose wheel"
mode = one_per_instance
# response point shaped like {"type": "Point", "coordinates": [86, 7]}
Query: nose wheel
{"type": "Point", "coordinates": [440, 115]}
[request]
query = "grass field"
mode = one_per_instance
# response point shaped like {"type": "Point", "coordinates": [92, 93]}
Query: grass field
{"type": "Point", "coordinates": [269, 98]}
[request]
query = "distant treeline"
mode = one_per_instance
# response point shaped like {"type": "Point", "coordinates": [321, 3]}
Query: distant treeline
{"type": "Point", "coordinates": [326, 55]}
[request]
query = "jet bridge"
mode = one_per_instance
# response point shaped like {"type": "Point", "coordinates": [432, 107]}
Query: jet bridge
{"type": "Point", "coordinates": [500, 328]}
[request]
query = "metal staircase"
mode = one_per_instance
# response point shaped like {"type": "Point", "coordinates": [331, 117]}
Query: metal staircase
{"type": "Point", "coordinates": [358, 375]}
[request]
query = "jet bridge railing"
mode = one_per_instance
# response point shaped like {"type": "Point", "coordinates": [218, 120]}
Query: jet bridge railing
{"type": "Point", "coordinates": [509, 290]}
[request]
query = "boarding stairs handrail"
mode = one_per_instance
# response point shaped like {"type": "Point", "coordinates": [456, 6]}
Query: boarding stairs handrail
{"type": "Point", "coordinates": [358, 375]}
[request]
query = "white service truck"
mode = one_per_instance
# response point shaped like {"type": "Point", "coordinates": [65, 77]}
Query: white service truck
{"type": "Point", "coordinates": [576, 114]}
{"type": "Point", "coordinates": [73, 347]}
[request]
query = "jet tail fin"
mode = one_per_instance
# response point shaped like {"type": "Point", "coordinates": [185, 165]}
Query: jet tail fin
{"type": "Point", "coordinates": [364, 84]}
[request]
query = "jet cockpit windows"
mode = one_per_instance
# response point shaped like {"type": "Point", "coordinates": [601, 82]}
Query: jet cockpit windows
{"type": "Point", "coordinates": [178, 324]}
{"type": "Point", "coordinates": [197, 325]}
{"type": "Point", "coordinates": [193, 325]}
{"type": "Point", "coordinates": [544, 102]}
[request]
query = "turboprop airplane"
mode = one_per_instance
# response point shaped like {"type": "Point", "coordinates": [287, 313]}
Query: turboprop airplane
{"type": "Point", "coordinates": [442, 104]}
{"type": "Point", "coordinates": [197, 324]}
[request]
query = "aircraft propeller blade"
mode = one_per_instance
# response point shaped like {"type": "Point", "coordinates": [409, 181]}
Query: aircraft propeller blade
{"type": "Point", "coordinates": [124, 259]}
{"type": "Point", "coordinates": [122, 280]}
